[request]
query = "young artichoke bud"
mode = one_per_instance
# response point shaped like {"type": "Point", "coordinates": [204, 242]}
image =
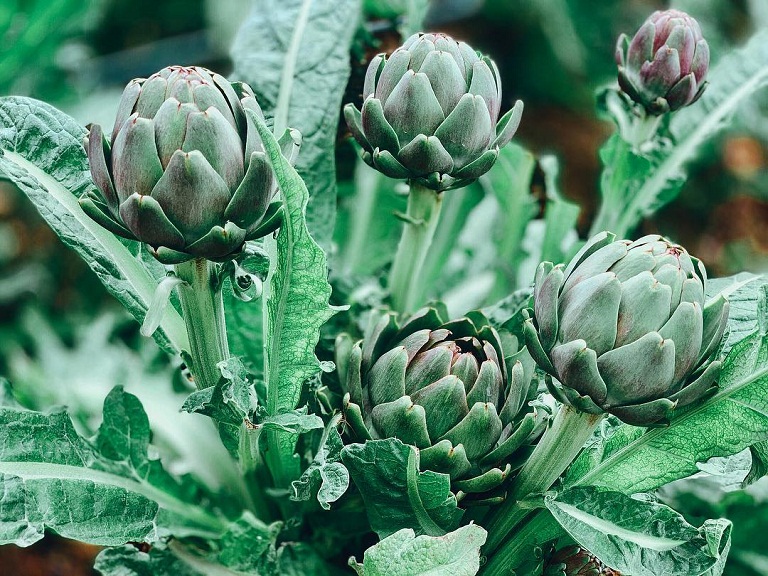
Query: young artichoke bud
{"type": "Point", "coordinates": [625, 328]}
{"type": "Point", "coordinates": [430, 113]}
{"type": "Point", "coordinates": [575, 561]}
{"type": "Point", "coordinates": [451, 389]}
{"type": "Point", "coordinates": [185, 170]}
{"type": "Point", "coordinates": [664, 65]}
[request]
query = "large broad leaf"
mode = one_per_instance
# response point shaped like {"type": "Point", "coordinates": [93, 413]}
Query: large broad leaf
{"type": "Point", "coordinates": [746, 295]}
{"type": "Point", "coordinates": [639, 537]}
{"type": "Point", "coordinates": [635, 460]}
{"type": "Point", "coordinates": [396, 494]}
{"type": "Point", "coordinates": [634, 186]}
{"type": "Point", "coordinates": [296, 295]}
{"type": "Point", "coordinates": [41, 150]}
{"type": "Point", "coordinates": [295, 55]}
{"type": "Point", "coordinates": [104, 491]}
{"type": "Point", "coordinates": [405, 554]}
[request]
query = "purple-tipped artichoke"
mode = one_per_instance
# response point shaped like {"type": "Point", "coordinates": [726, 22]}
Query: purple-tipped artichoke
{"type": "Point", "coordinates": [664, 66]}
{"type": "Point", "coordinates": [185, 170]}
{"type": "Point", "coordinates": [625, 328]}
{"type": "Point", "coordinates": [458, 391]}
{"type": "Point", "coordinates": [430, 113]}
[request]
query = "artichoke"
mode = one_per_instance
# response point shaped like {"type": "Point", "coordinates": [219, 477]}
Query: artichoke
{"type": "Point", "coordinates": [185, 170]}
{"type": "Point", "coordinates": [625, 328]}
{"type": "Point", "coordinates": [664, 65]}
{"type": "Point", "coordinates": [429, 113]}
{"type": "Point", "coordinates": [575, 561]}
{"type": "Point", "coordinates": [451, 389]}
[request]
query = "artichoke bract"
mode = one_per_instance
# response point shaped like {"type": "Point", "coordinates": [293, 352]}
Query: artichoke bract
{"type": "Point", "coordinates": [185, 171]}
{"type": "Point", "coordinates": [451, 389]}
{"type": "Point", "coordinates": [664, 66]}
{"type": "Point", "coordinates": [625, 328]}
{"type": "Point", "coordinates": [430, 113]}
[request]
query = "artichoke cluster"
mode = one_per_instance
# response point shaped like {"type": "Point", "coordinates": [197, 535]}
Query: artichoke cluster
{"type": "Point", "coordinates": [664, 66]}
{"type": "Point", "coordinates": [185, 170]}
{"type": "Point", "coordinates": [430, 113]}
{"type": "Point", "coordinates": [625, 328]}
{"type": "Point", "coordinates": [453, 390]}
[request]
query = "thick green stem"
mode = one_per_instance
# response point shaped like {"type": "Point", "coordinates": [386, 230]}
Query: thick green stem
{"type": "Point", "coordinates": [540, 527]}
{"type": "Point", "coordinates": [203, 309]}
{"type": "Point", "coordinates": [558, 447]}
{"type": "Point", "coordinates": [420, 223]}
{"type": "Point", "coordinates": [367, 183]}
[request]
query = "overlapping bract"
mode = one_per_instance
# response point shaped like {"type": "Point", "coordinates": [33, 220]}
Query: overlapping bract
{"type": "Point", "coordinates": [185, 170]}
{"type": "Point", "coordinates": [430, 113]}
{"type": "Point", "coordinates": [664, 66]}
{"type": "Point", "coordinates": [452, 389]}
{"type": "Point", "coordinates": [625, 328]}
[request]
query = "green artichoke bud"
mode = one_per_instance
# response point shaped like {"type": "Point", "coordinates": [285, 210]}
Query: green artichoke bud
{"type": "Point", "coordinates": [185, 170]}
{"type": "Point", "coordinates": [430, 113]}
{"type": "Point", "coordinates": [663, 67]}
{"type": "Point", "coordinates": [575, 561]}
{"type": "Point", "coordinates": [625, 328]}
{"type": "Point", "coordinates": [451, 389]}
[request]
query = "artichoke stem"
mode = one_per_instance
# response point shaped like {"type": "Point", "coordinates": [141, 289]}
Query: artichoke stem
{"type": "Point", "coordinates": [559, 446]}
{"type": "Point", "coordinates": [540, 527]}
{"type": "Point", "coordinates": [203, 308]}
{"type": "Point", "coordinates": [642, 130]}
{"type": "Point", "coordinates": [419, 227]}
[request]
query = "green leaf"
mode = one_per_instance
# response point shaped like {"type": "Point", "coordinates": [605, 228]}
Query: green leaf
{"type": "Point", "coordinates": [634, 460]}
{"type": "Point", "coordinates": [736, 77]}
{"type": "Point", "coordinates": [244, 332]}
{"type": "Point", "coordinates": [295, 55]}
{"type": "Point", "coordinates": [296, 294]}
{"type": "Point", "coordinates": [405, 554]}
{"type": "Point", "coordinates": [744, 292]}
{"type": "Point", "coordinates": [326, 477]}
{"type": "Point", "coordinates": [396, 494]}
{"type": "Point", "coordinates": [245, 543]}
{"type": "Point", "coordinates": [41, 151]}
{"type": "Point", "coordinates": [114, 492]}
{"type": "Point", "coordinates": [638, 537]}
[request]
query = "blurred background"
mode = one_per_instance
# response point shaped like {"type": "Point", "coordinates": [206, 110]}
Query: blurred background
{"type": "Point", "coordinates": [62, 335]}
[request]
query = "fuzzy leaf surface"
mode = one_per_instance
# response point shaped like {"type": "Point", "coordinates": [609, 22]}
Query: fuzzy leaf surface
{"type": "Point", "coordinates": [405, 554]}
{"type": "Point", "coordinates": [396, 494]}
{"type": "Point", "coordinates": [41, 151]}
{"type": "Point", "coordinates": [639, 537]}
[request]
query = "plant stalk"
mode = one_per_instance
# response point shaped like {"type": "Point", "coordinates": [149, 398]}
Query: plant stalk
{"type": "Point", "coordinates": [558, 447]}
{"type": "Point", "coordinates": [421, 219]}
{"type": "Point", "coordinates": [540, 527]}
{"type": "Point", "coordinates": [203, 308]}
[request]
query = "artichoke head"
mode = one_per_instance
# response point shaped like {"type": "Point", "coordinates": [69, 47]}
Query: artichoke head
{"type": "Point", "coordinates": [458, 391]}
{"type": "Point", "coordinates": [430, 113]}
{"type": "Point", "coordinates": [625, 328]}
{"type": "Point", "coordinates": [664, 66]}
{"type": "Point", "coordinates": [184, 170]}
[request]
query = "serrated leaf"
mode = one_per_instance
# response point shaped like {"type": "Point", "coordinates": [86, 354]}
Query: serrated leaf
{"type": "Point", "coordinates": [246, 541]}
{"type": "Point", "coordinates": [114, 492]}
{"type": "Point", "coordinates": [326, 477]}
{"type": "Point", "coordinates": [295, 55]}
{"type": "Point", "coordinates": [396, 494]}
{"type": "Point", "coordinates": [41, 151]}
{"type": "Point", "coordinates": [634, 460]}
{"type": "Point", "coordinates": [405, 554]}
{"type": "Point", "coordinates": [638, 537]}
{"type": "Point", "coordinates": [744, 292]}
{"type": "Point", "coordinates": [296, 294]}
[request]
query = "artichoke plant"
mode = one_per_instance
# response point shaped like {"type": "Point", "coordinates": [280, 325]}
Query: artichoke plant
{"type": "Point", "coordinates": [451, 389]}
{"type": "Point", "coordinates": [664, 66]}
{"type": "Point", "coordinates": [184, 170]}
{"type": "Point", "coordinates": [625, 328]}
{"type": "Point", "coordinates": [430, 113]}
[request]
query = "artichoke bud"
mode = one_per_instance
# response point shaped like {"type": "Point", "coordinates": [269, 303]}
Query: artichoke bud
{"type": "Point", "coordinates": [625, 329]}
{"type": "Point", "coordinates": [184, 170]}
{"type": "Point", "coordinates": [664, 66]}
{"type": "Point", "coordinates": [431, 113]}
{"type": "Point", "coordinates": [451, 389]}
{"type": "Point", "coordinates": [575, 561]}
